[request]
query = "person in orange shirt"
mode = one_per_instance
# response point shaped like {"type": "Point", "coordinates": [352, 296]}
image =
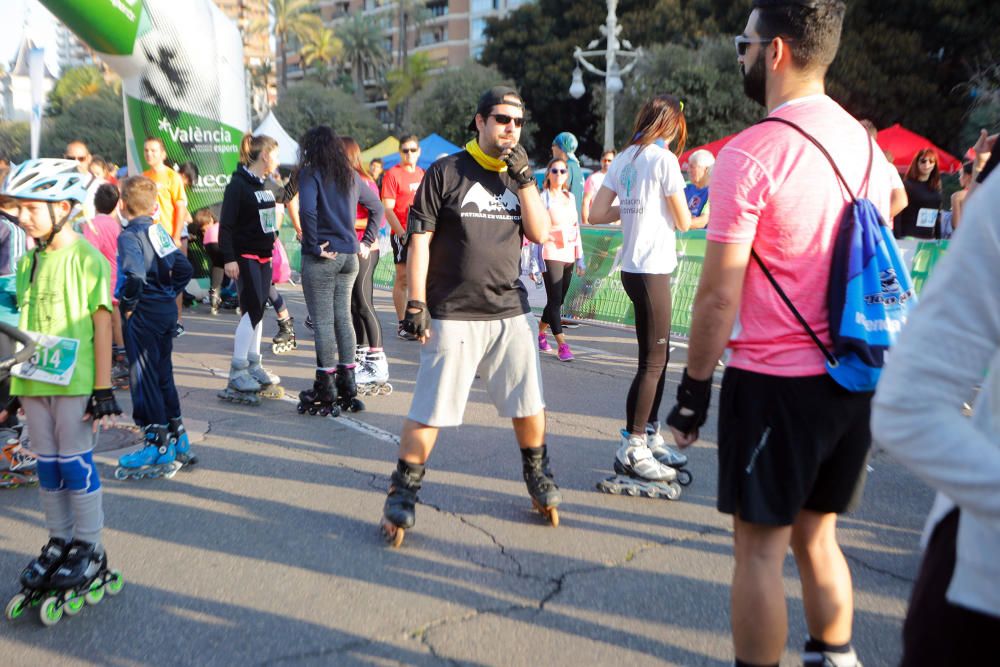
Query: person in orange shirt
{"type": "Point", "coordinates": [170, 198]}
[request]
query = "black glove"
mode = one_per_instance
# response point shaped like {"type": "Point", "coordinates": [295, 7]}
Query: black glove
{"type": "Point", "coordinates": [693, 397]}
{"type": "Point", "coordinates": [13, 405]}
{"type": "Point", "coordinates": [102, 403]}
{"type": "Point", "coordinates": [416, 320]}
{"type": "Point", "coordinates": [518, 167]}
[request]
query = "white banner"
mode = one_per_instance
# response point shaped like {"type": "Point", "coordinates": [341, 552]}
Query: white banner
{"type": "Point", "coordinates": [36, 70]}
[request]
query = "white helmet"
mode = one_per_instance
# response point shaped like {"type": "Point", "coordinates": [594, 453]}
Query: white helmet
{"type": "Point", "coordinates": [47, 179]}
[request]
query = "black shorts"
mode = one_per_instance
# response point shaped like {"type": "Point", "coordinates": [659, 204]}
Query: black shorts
{"type": "Point", "coordinates": [398, 249]}
{"type": "Point", "coordinates": [788, 444]}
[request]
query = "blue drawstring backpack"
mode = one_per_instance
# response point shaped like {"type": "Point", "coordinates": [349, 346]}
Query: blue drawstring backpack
{"type": "Point", "coordinates": [869, 295]}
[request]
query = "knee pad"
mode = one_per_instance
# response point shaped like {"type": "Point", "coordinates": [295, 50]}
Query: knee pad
{"type": "Point", "coordinates": [48, 473]}
{"type": "Point", "coordinates": [79, 473]}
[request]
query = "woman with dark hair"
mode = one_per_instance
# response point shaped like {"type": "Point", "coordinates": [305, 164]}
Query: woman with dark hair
{"type": "Point", "coordinates": [560, 254]}
{"type": "Point", "coordinates": [647, 179]}
{"type": "Point", "coordinates": [248, 226]}
{"type": "Point", "coordinates": [329, 193]}
{"type": "Point", "coordinates": [921, 218]}
{"type": "Point", "coordinates": [372, 366]}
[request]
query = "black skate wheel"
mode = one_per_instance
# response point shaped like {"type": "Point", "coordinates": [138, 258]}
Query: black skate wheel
{"type": "Point", "coordinates": [324, 411]}
{"type": "Point", "coordinates": [313, 411]}
{"type": "Point", "coordinates": [301, 409]}
{"type": "Point", "coordinates": [356, 406]}
{"type": "Point", "coordinates": [684, 477]}
{"type": "Point", "coordinates": [16, 606]}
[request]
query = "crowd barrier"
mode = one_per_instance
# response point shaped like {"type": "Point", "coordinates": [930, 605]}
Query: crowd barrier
{"type": "Point", "coordinates": [598, 296]}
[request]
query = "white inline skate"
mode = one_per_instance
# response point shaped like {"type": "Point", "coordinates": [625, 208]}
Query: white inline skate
{"type": "Point", "coordinates": [638, 473]}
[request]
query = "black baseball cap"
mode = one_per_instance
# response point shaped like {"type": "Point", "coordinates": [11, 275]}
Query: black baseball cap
{"type": "Point", "coordinates": [493, 97]}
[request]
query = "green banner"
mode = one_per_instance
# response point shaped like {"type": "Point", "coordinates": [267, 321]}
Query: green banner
{"type": "Point", "coordinates": [110, 26]}
{"type": "Point", "coordinates": [212, 145]}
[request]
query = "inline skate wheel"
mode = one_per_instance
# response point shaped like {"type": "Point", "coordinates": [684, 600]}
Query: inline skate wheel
{"type": "Point", "coordinates": [301, 409]}
{"type": "Point", "coordinates": [74, 604]}
{"type": "Point", "coordinates": [51, 612]}
{"type": "Point", "coordinates": [550, 513]}
{"type": "Point", "coordinates": [673, 491]}
{"type": "Point", "coordinates": [15, 608]}
{"type": "Point", "coordinates": [391, 533]}
{"type": "Point", "coordinates": [121, 474]}
{"type": "Point", "coordinates": [115, 583]}
{"type": "Point", "coordinates": [96, 592]}
{"type": "Point", "coordinates": [684, 477]}
{"type": "Point", "coordinates": [631, 491]}
{"type": "Point", "coordinates": [386, 389]}
{"type": "Point", "coordinates": [313, 411]}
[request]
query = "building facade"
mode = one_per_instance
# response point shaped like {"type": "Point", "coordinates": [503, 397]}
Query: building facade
{"type": "Point", "coordinates": [258, 56]}
{"type": "Point", "coordinates": [71, 51]}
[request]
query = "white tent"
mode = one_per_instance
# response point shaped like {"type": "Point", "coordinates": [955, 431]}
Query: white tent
{"type": "Point", "coordinates": [288, 148]}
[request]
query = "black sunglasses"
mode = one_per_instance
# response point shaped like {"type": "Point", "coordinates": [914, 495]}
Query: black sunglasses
{"type": "Point", "coordinates": [408, 150]}
{"type": "Point", "coordinates": [78, 158]}
{"type": "Point", "coordinates": [504, 119]}
{"type": "Point", "coordinates": [743, 43]}
{"type": "Point", "coordinates": [557, 171]}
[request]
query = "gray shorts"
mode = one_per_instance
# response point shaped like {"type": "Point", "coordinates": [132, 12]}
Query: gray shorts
{"type": "Point", "coordinates": [503, 352]}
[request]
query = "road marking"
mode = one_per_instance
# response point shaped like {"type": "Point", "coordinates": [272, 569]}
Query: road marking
{"type": "Point", "coordinates": [357, 425]}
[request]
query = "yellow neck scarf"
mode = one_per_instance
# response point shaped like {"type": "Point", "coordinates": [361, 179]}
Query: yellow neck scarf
{"type": "Point", "coordinates": [484, 160]}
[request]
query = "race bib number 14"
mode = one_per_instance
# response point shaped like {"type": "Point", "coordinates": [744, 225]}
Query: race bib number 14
{"type": "Point", "coordinates": [53, 362]}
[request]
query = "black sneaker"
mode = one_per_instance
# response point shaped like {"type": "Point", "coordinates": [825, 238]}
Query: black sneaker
{"type": "Point", "coordinates": [404, 334]}
{"type": "Point", "coordinates": [178, 330]}
{"type": "Point", "coordinates": [309, 323]}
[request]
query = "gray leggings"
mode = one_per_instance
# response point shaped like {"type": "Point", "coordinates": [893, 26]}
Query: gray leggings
{"type": "Point", "coordinates": [327, 285]}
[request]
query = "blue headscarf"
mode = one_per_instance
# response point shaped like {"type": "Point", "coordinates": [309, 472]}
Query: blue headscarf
{"type": "Point", "coordinates": [567, 143]}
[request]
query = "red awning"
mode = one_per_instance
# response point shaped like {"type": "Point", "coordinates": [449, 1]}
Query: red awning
{"type": "Point", "coordinates": [712, 148]}
{"type": "Point", "coordinates": [904, 144]}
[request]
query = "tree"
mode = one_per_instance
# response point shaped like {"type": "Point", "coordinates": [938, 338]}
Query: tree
{"type": "Point", "coordinates": [448, 102]}
{"type": "Point", "coordinates": [704, 78]}
{"type": "Point", "coordinates": [321, 48]}
{"type": "Point", "coordinates": [306, 105]}
{"type": "Point", "coordinates": [405, 82]}
{"type": "Point", "coordinates": [362, 38]}
{"type": "Point", "coordinates": [75, 84]}
{"type": "Point", "coordinates": [15, 138]}
{"type": "Point", "coordinates": [411, 12]}
{"type": "Point", "coordinates": [291, 18]}
{"type": "Point", "coordinates": [101, 115]}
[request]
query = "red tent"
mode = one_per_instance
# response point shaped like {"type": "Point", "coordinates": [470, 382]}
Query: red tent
{"type": "Point", "coordinates": [712, 148]}
{"type": "Point", "coordinates": [903, 145]}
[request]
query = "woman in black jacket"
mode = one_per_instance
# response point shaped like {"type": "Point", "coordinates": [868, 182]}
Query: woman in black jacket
{"type": "Point", "coordinates": [248, 227]}
{"type": "Point", "coordinates": [921, 218]}
{"type": "Point", "coordinates": [329, 193]}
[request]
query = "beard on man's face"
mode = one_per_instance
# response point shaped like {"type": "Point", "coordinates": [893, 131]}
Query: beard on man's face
{"type": "Point", "coordinates": [755, 80]}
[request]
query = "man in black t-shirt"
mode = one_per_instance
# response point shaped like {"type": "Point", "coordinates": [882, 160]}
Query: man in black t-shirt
{"type": "Point", "coordinates": [467, 224]}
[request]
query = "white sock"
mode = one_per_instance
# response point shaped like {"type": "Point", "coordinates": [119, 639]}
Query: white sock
{"type": "Point", "coordinates": [244, 339]}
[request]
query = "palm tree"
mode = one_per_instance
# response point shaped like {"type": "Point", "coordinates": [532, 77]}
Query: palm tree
{"type": "Point", "coordinates": [291, 18]}
{"type": "Point", "coordinates": [411, 12]}
{"type": "Point", "coordinates": [405, 82]}
{"type": "Point", "coordinates": [323, 48]}
{"type": "Point", "coordinates": [362, 39]}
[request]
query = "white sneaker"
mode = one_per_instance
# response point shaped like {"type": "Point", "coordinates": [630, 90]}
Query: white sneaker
{"type": "Point", "coordinates": [637, 458]}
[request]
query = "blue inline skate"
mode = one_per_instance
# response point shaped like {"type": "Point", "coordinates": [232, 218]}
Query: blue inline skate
{"type": "Point", "coordinates": [157, 458]}
{"type": "Point", "coordinates": [182, 443]}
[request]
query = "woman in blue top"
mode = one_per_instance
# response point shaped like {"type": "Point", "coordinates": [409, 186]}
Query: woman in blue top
{"type": "Point", "coordinates": [329, 193]}
{"type": "Point", "coordinates": [564, 148]}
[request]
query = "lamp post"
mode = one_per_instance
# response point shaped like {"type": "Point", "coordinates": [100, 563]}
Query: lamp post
{"type": "Point", "coordinates": [612, 71]}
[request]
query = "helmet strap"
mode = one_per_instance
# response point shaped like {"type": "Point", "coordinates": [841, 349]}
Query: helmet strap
{"type": "Point", "coordinates": [57, 226]}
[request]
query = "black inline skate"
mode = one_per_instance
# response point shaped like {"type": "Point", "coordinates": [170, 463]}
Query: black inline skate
{"type": "Point", "coordinates": [347, 390]}
{"type": "Point", "coordinates": [63, 579]}
{"type": "Point", "coordinates": [284, 341]}
{"type": "Point", "coordinates": [545, 495]}
{"type": "Point", "coordinates": [321, 399]}
{"type": "Point", "coordinates": [400, 511]}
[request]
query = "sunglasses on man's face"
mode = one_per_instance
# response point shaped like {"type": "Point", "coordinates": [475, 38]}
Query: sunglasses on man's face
{"type": "Point", "coordinates": [408, 150]}
{"type": "Point", "coordinates": [557, 171]}
{"type": "Point", "coordinates": [504, 119]}
{"type": "Point", "coordinates": [78, 158]}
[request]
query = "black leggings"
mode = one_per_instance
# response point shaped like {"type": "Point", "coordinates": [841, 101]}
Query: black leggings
{"type": "Point", "coordinates": [276, 299]}
{"type": "Point", "coordinates": [650, 296]}
{"type": "Point", "coordinates": [557, 277]}
{"type": "Point", "coordinates": [366, 327]}
{"type": "Point", "coordinates": [254, 286]}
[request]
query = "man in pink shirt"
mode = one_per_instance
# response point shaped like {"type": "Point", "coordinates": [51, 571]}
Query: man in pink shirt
{"type": "Point", "coordinates": [792, 444]}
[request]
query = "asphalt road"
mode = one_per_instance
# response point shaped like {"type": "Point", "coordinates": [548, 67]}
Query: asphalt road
{"type": "Point", "coordinates": [268, 553]}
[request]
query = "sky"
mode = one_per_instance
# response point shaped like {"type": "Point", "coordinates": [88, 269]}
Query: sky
{"type": "Point", "coordinates": [41, 26]}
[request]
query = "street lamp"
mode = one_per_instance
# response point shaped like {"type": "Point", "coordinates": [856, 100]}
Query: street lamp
{"type": "Point", "coordinates": [612, 72]}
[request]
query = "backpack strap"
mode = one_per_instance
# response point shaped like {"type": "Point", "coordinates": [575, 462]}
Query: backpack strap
{"type": "Point", "coordinates": [832, 360]}
{"type": "Point", "coordinates": [826, 154]}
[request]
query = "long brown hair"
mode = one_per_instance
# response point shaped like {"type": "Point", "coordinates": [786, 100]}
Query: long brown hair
{"type": "Point", "coordinates": [353, 152]}
{"type": "Point", "coordinates": [913, 172]}
{"type": "Point", "coordinates": [545, 182]}
{"type": "Point", "coordinates": [662, 116]}
{"type": "Point", "coordinates": [251, 147]}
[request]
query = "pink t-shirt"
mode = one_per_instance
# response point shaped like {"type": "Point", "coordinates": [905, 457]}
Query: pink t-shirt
{"type": "Point", "coordinates": [773, 188]}
{"type": "Point", "coordinates": [212, 233]}
{"type": "Point", "coordinates": [564, 244]}
{"type": "Point", "coordinates": [102, 233]}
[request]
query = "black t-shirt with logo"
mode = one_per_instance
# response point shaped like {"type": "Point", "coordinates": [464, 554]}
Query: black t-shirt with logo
{"type": "Point", "coordinates": [475, 254]}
